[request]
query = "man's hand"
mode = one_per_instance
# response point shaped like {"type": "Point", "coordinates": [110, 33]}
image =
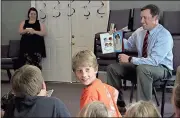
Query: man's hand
{"type": "Point", "coordinates": [112, 31]}
{"type": "Point", "coordinates": [123, 58]}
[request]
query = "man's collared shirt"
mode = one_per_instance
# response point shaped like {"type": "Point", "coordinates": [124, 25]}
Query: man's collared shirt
{"type": "Point", "coordinates": [159, 50]}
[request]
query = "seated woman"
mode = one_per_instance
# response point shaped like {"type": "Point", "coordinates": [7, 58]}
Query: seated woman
{"type": "Point", "coordinates": [32, 46]}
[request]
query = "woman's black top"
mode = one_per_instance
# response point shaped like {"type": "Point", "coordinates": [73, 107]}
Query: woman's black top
{"type": "Point", "coordinates": [32, 43]}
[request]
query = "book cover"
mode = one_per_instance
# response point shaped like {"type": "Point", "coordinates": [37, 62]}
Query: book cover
{"type": "Point", "coordinates": [111, 42]}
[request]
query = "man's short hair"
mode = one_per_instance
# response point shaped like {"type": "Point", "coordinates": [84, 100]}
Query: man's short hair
{"type": "Point", "coordinates": [154, 10]}
{"type": "Point", "coordinates": [27, 80]}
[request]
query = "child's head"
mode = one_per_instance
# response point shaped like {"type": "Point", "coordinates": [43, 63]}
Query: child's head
{"type": "Point", "coordinates": [142, 109]}
{"type": "Point", "coordinates": [28, 80]}
{"type": "Point", "coordinates": [117, 36]}
{"type": "Point", "coordinates": [176, 100]}
{"type": "Point", "coordinates": [94, 109]}
{"type": "Point", "coordinates": [85, 67]}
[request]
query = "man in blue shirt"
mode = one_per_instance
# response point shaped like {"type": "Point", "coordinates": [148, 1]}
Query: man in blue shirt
{"type": "Point", "coordinates": [154, 45]}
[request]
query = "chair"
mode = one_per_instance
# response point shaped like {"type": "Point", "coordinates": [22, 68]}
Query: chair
{"type": "Point", "coordinates": [120, 18]}
{"type": "Point", "coordinates": [171, 22]}
{"type": "Point", "coordinates": [4, 54]}
{"type": "Point", "coordinates": [134, 22]}
{"type": "Point", "coordinates": [136, 18]}
{"type": "Point", "coordinates": [9, 54]}
{"type": "Point", "coordinates": [103, 59]}
{"type": "Point", "coordinates": [163, 83]}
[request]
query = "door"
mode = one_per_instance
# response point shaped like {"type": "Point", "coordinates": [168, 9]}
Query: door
{"type": "Point", "coordinates": [57, 65]}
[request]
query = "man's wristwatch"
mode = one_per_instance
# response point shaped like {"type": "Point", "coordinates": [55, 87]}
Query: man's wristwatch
{"type": "Point", "coordinates": [129, 59]}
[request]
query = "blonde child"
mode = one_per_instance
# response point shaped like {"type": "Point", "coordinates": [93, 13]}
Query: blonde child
{"type": "Point", "coordinates": [177, 81]}
{"type": "Point", "coordinates": [176, 100]}
{"type": "Point", "coordinates": [94, 109]}
{"type": "Point", "coordinates": [85, 67]}
{"type": "Point", "coordinates": [142, 109]}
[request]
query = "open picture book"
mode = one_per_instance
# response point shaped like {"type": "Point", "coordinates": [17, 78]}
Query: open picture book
{"type": "Point", "coordinates": [111, 42]}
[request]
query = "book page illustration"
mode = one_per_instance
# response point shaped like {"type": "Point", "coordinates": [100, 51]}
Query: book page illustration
{"type": "Point", "coordinates": [107, 43]}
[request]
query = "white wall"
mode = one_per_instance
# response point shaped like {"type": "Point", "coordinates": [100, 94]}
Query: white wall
{"type": "Point", "coordinates": [163, 5]}
{"type": "Point", "coordinates": [12, 13]}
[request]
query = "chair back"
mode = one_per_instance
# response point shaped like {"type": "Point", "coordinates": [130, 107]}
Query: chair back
{"type": "Point", "coordinates": [120, 18]}
{"type": "Point", "coordinates": [14, 48]}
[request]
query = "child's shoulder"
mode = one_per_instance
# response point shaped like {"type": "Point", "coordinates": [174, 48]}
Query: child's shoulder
{"type": "Point", "coordinates": [49, 99]}
{"type": "Point", "coordinates": [109, 87]}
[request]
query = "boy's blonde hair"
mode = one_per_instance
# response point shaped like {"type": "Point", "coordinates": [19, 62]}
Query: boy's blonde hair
{"type": "Point", "coordinates": [27, 80]}
{"type": "Point", "coordinates": [142, 109]}
{"type": "Point", "coordinates": [84, 58]}
{"type": "Point", "coordinates": [177, 80]}
{"type": "Point", "coordinates": [177, 96]}
{"type": "Point", "coordinates": [94, 109]}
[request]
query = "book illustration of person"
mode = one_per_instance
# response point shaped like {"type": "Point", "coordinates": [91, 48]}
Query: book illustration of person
{"type": "Point", "coordinates": [108, 46]}
{"type": "Point", "coordinates": [118, 44]}
{"type": "Point", "coordinates": [105, 39]}
{"type": "Point", "coordinates": [117, 37]}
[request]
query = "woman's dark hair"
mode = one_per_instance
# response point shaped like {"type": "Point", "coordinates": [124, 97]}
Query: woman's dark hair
{"type": "Point", "coordinates": [33, 9]}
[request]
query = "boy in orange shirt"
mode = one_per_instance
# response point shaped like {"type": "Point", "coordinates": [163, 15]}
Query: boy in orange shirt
{"type": "Point", "coordinates": [85, 67]}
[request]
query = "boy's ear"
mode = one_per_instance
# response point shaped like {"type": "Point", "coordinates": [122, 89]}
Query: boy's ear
{"type": "Point", "coordinates": [44, 86]}
{"type": "Point", "coordinates": [96, 68]}
{"type": "Point", "coordinates": [156, 17]}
